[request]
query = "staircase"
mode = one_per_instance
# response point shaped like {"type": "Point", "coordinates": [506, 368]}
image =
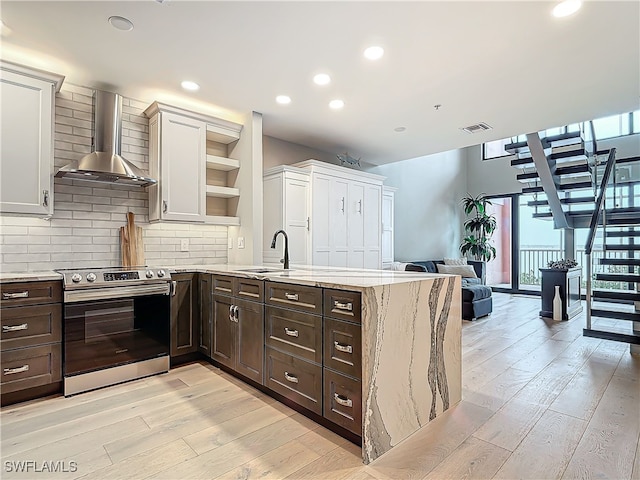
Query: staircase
{"type": "Point", "coordinates": [575, 185]}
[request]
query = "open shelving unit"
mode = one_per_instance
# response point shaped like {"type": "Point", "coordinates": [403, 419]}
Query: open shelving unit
{"type": "Point", "coordinates": [221, 174]}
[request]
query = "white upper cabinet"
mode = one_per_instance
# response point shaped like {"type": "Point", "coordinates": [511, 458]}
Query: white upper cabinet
{"type": "Point", "coordinates": [344, 214]}
{"type": "Point", "coordinates": [388, 200]}
{"type": "Point", "coordinates": [292, 189]}
{"type": "Point", "coordinates": [26, 128]}
{"type": "Point", "coordinates": [188, 155]}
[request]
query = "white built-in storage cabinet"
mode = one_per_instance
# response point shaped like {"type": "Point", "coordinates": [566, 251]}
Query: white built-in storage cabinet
{"type": "Point", "coordinates": [27, 99]}
{"type": "Point", "coordinates": [332, 214]}
{"type": "Point", "coordinates": [388, 197]}
{"type": "Point", "coordinates": [191, 155]}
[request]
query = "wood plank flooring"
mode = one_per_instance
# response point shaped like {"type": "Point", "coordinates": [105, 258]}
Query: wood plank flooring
{"type": "Point", "coordinates": [540, 401]}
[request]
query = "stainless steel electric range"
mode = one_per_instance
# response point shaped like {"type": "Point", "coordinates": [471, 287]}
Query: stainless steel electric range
{"type": "Point", "coordinates": [116, 325]}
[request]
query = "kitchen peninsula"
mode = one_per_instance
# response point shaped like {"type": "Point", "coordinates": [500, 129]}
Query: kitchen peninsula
{"type": "Point", "coordinates": [410, 341]}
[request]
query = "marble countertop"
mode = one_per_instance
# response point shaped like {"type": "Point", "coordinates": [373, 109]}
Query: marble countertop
{"type": "Point", "coordinates": [328, 277]}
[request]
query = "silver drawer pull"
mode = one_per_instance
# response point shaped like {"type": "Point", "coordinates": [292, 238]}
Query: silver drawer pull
{"type": "Point", "coordinates": [344, 401]}
{"type": "Point", "coordinates": [343, 306]}
{"type": "Point", "coordinates": [12, 371]}
{"type": "Point", "coordinates": [7, 296]}
{"type": "Point", "coordinates": [290, 378]}
{"type": "Point", "coordinates": [290, 332]}
{"type": "Point", "coordinates": [14, 328]}
{"type": "Point", "coordinates": [291, 296]}
{"type": "Point", "coordinates": [343, 348]}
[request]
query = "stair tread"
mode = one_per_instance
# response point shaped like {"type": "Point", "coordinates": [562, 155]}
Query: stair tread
{"type": "Point", "coordinates": [619, 261]}
{"type": "Point", "coordinates": [572, 169]}
{"type": "Point", "coordinates": [624, 221]}
{"type": "Point", "coordinates": [627, 159]}
{"type": "Point", "coordinates": [618, 277]}
{"type": "Point", "coordinates": [615, 314]}
{"type": "Point", "coordinates": [624, 233]}
{"type": "Point", "coordinates": [616, 294]}
{"type": "Point", "coordinates": [609, 335]}
{"type": "Point", "coordinates": [624, 247]}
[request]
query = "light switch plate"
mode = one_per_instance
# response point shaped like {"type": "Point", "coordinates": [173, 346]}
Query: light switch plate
{"type": "Point", "coordinates": [230, 242]}
{"type": "Point", "coordinates": [240, 242]}
{"type": "Point", "coordinates": [184, 245]}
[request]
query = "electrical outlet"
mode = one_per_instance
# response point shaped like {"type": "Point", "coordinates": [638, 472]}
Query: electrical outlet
{"type": "Point", "coordinates": [184, 245]}
{"type": "Point", "coordinates": [230, 242]}
{"type": "Point", "coordinates": [240, 242]}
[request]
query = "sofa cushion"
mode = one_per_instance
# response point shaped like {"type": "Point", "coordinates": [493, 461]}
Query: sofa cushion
{"type": "Point", "coordinates": [466, 271]}
{"type": "Point", "coordinates": [455, 261]}
{"type": "Point", "coordinates": [472, 293]}
{"type": "Point", "coordinates": [429, 265]}
{"type": "Point", "coordinates": [471, 281]}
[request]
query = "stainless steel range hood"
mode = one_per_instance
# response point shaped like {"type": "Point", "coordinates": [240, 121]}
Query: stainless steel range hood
{"type": "Point", "coordinates": [105, 164]}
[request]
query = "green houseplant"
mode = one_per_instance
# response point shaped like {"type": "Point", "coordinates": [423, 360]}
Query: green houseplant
{"type": "Point", "coordinates": [478, 229]}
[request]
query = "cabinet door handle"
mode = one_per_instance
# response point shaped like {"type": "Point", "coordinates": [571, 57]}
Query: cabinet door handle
{"type": "Point", "coordinates": [290, 378]}
{"type": "Point", "coordinates": [174, 288]}
{"type": "Point", "coordinates": [342, 400]}
{"type": "Point", "coordinates": [291, 332]}
{"type": "Point", "coordinates": [45, 198]}
{"type": "Point", "coordinates": [359, 206]}
{"type": "Point", "coordinates": [291, 296]}
{"type": "Point", "coordinates": [342, 204]}
{"type": "Point", "coordinates": [165, 206]}
{"type": "Point", "coordinates": [15, 328]}
{"type": "Point", "coordinates": [348, 306]}
{"type": "Point", "coordinates": [343, 348]}
{"type": "Point", "coordinates": [231, 313]}
{"type": "Point", "coordinates": [308, 224]}
{"type": "Point", "coordinates": [8, 296]}
{"type": "Point", "coordinates": [236, 313]}
{"type": "Point", "coordinates": [13, 371]}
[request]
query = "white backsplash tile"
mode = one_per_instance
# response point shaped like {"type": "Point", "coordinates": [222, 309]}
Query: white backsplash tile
{"type": "Point", "coordinates": [84, 230]}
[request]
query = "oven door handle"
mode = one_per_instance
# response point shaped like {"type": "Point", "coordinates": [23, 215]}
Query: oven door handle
{"type": "Point", "coordinates": [75, 296]}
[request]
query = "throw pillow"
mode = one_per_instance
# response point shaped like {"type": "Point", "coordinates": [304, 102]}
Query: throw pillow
{"type": "Point", "coordinates": [455, 261]}
{"type": "Point", "coordinates": [465, 271]}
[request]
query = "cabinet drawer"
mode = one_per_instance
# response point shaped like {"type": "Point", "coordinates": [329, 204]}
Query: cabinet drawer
{"type": "Point", "coordinates": [30, 367]}
{"type": "Point", "coordinates": [295, 332]}
{"type": "Point", "coordinates": [307, 299]}
{"type": "Point", "coordinates": [222, 285]}
{"type": "Point", "coordinates": [343, 401]}
{"type": "Point", "coordinates": [28, 326]}
{"type": "Point", "coordinates": [30, 293]}
{"type": "Point", "coordinates": [342, 347]}
{"type": "Point", "coordinates": [250, 289]}
{"type": "Point", "coordinates": [296, 379]}
{"type": "Point", "coordinates": [342, 305]}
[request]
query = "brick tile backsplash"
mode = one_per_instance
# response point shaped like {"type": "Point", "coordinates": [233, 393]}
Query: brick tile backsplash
{"type": "Point", "coordinates": [85, 228]}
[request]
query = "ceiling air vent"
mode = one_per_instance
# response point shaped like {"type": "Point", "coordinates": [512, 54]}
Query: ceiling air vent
{"type": "Point", "coordinates": [478, 127]}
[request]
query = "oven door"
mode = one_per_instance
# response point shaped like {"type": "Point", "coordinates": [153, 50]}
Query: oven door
{"type": "Point", "coordinates": [107, 333]}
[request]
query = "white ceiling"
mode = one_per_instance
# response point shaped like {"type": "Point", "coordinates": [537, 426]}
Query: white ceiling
{"type": "Point", "coordinates": [509, 64]}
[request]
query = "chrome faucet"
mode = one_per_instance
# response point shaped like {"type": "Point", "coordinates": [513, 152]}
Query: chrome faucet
{"type": "Point", "coordinates": [286, 247]}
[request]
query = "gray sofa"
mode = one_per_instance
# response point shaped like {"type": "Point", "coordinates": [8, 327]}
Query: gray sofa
{"type": "Point", "coordinates": [476, 295]}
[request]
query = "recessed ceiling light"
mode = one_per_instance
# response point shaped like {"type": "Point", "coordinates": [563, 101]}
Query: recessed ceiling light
{"type": "Point", "coordinates": [121, 23]}
{"type": "Point", "coordinates": [283, 99]}
{"type": "Point", "coordinates": [189, 85]}
{"type": "Point", "coordinates": [399, 129]}
{"type": "Point", "coordinates": [336, 104]}
{"type": "Point", "coordinates": [566, 8]}
{"type": "Point", "coordinates": [322, 79]}
{"type": "Point", "coordinates": [374, 53]}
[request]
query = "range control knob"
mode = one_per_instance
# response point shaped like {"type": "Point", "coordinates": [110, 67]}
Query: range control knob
{"type": "Point", "coordinates": [161, 273]}
{"type": "Point", "coordinates": [149, 274]}
{"type": "Point", "coordinates": [91, 277]}
{"type": "Point", "coordinates": [76, 277]}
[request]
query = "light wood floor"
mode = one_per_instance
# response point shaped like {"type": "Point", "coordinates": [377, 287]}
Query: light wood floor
{"type": "Point", "coordinates": [540, 401]}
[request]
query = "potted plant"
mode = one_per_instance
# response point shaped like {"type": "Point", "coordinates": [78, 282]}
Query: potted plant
{"type": "Point", "coordinates": [478, 229]}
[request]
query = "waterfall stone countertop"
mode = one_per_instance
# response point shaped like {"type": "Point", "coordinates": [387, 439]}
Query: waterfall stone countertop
{"type": "Point", "coordinates": [411, 341]}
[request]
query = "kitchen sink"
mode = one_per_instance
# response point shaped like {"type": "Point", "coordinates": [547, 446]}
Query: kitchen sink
{"type": "Point", "coordinates": [259, 270]}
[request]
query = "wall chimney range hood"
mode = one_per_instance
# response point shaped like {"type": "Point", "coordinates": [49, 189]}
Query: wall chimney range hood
{"type": "Point", "coordinates": [105, 164]}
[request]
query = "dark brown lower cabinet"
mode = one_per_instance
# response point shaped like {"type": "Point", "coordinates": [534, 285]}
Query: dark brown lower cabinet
{"type": "Point", "coordinates": [205, 294]}
{"type": "Point", "coordinates": [184, 314]}
{"type": "Point", "coordinates": [343, 401]}
{"type": "Point", "coordinates": [238, 335]}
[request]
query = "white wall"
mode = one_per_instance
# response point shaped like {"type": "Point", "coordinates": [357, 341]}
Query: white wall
{"type": "Point", "coordinates": [84, 230]}
{"type": "Point", "coordinates": [428, 216]}
{"type": "Point", "coordinates": [280, 152]}
{"type": "Point", "coordinates": [491, 177]}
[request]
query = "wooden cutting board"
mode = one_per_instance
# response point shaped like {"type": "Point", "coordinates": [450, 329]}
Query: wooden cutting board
{"type": "Point", "coordinates": [131, 245]}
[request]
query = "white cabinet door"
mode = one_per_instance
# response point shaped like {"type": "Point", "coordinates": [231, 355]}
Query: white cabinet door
{"type": "Point", "coordinates": [182, 165]}
{"type": "Point", "coordinates": [338, 222]}
{"type": "Point", "coordinates": [26, 150]}
{"type": "Point", "coordinates": [387, 228]}
{"type": "Point", "coordinates": [320, 226]}
{"type": "Point", "coordinates": [296, 221]}
{"type": "Point", "coordinates": [355, 223]}
{"type": "Point", "coordinates": [372, 223]}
